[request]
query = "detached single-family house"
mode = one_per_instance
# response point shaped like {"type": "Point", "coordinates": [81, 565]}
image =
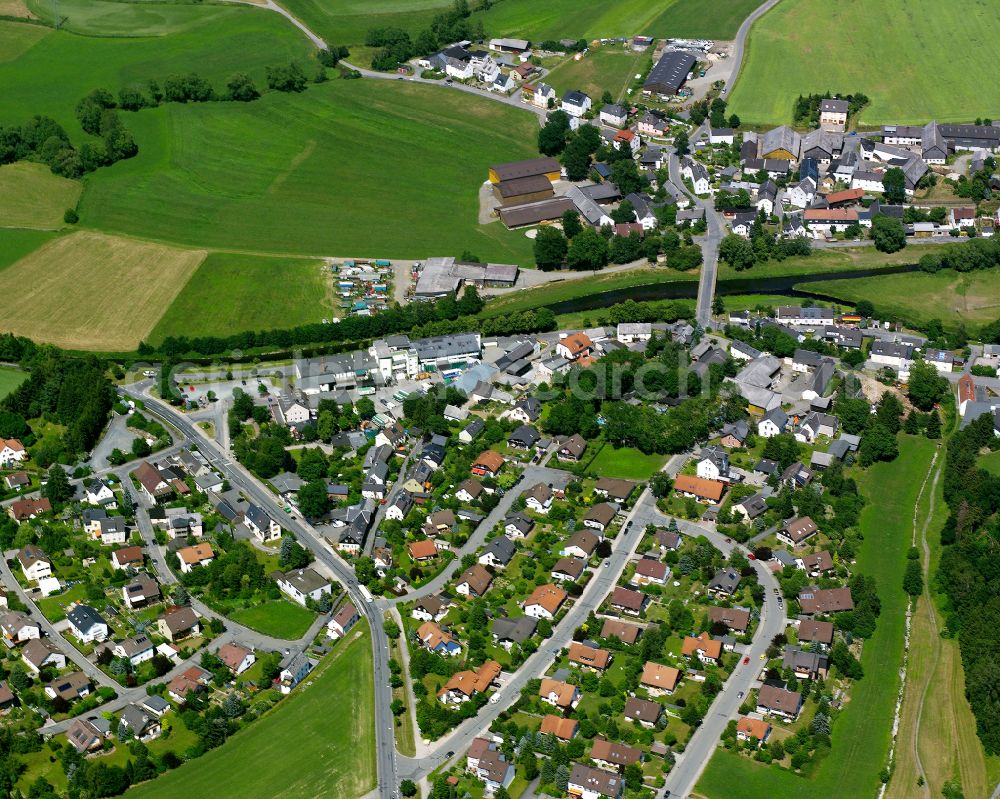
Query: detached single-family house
{"type": "Point", "coordinates": [775, 701]}
{"type": "Point", "coordinates": [18, 628]}
{"type": "Point", "coordinates": [178, 623]}
{"type": "Point", "coordinates": [589, 657]}
{"type": "Point", "coordinates": [752, 729]}
{"type": "Point", "coordinates": [659, 680]}
{"type": "Point", "coordinates": [194, 556]}
{"type": "Point", "coordinates": [544, 602]}
{"type": "Point", "coordinates": [237, 658]}
{"type": "Point", "coordinates": [703, 647]}
{"type": "Point", "coordinates": [580, 545]}
{"type": "Point", "coordinates": [538, 498]}
{"type": "Point", "coordinates": [342, 621]}
{"type": "Point", "coordinates": [647, 713]}
{"type": "Point", "coordinates": [303, 584]}
{"type": "Point", "coordinates": [35, 564]}
{"type": "Point", "coordinates": [140, 591]}
{"type": "Point", "coordinates": [40, 653]}
{"type": "Point", "coordinates": [594, 783]}
{"type": "Point", "coordinates": [437, 640]}
{"type": "Point", "coordinates": [498, 552]}
{"type": "Point", "coordinates": [599, 517]}
{"type": "Point", "coordinates": [626, 601]}
{"type": "Point", "coordinates": [87, 624]}
{"type": "Point", "coordinates": [559, 694]}
{"type": "Point", "coordinates": [795, 532]}
{"type": "Point", "coordinates": [474, 581]}
{"type": "Point", "coordinates": [576, 103]}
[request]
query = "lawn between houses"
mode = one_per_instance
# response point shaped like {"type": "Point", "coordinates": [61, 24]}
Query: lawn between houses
{"type": "Point", "coordinates": [941, 49]}
{"type": "Point", "coordinates": [862, 733]}
{"type": "Point", "coordinates": [10, 379]}
{"type": "Point", "coordinates": [324, 731]}
{"type": "Point", "coordinates": [279, 618]}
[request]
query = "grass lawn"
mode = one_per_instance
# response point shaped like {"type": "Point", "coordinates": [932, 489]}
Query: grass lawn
{"type": "Point", "coordinates": [862, 733]}
{"type": "Point", "coordinates": [917, 297]}
{"type": "Point", "coordinates": [328, 724]}
{"type": "Point", "coordinates": [347, 21]}
{"type": "Point", "coordinates": [280, 619]}
{"type": "Point", "coordinates": [232, 292]}
{"type": "Point", "coordinates": [942, 50]}
{"type": "Point", "coordinates": [10, 379]}
{"type": "Point", "coordinates": [608, 68]}
{"type": "Point", "coordinates": [347, 168]}
{"type": "Point", "coordinates": [990, 463]}
{"type": "Point", "coordinates": [626, 463]}
{"type": "Point", "coordinates": [32, 197]}
{"type": "Point", "coordinates": [54, 607]}
{"type": "Point", "coordinates": [59, 293]}
{"type": "Point", "coordinates": [832, 260]}
{"type": "Point", "coordinates": [216, 41]}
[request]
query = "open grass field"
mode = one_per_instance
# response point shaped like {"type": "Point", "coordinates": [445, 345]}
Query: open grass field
{"type": "Point", "coordinates": [217, 42]}
{"type": "Point", "coordinates": [991, 463]}
{"type": "Point", "coordinates": [90, 291]}
{"type": "Point", "coordinates": [32, 197]}
{"type": "Point", "coordinates": [940, 49]}
{"type": "Point", "coordinates": [232, 292]}
{"type": "Point", "coordinates": [347, 21]}
{"type": "Point", "coordinates": [10, 379]}
{"type": "Point", "coordinates": [348, 167]}
{"type": "Point", "coordinates": [626, 463]}
{"type": "Point", "coordinates": [280, 619]}
{"type": "Point", "coordinates": [329, 735]}
{"type": "Point", "coordinates": [862, 733]}
{"type": "Point", "coordinates": [139, 18]}
{"type": "Point", "coordinates": [557, 19]}
{"type": "Point", "coordinates": [605, 68]}
{"type": "Point", "coordinates": [936, 719]}
{"type": "Point", "coordinates": [15, 243]}
{"type": "Point", "coordinates": [834, 259]}
{"type": "Point", "coordinates": [972, 298]}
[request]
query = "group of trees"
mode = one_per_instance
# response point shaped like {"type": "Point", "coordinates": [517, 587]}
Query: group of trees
{"type": "Point", "coordinates": [742, 254]}
{"type": "Point", "coordinates": [977, 185]}
{"type": "Point", "coordinates": [805, 111]}
{"type": "Point", "coordinates": [73, 392]}
{"type": "Point", "coordinates": [396, 47]}
{"type": "Point", "coordinates": [967, 572]}
{"type": "Point", "coordinates": [714, 112]}
{"type": "Point", "coordinates": [968, 257]}
{"type": "Point", "coordinates": [888, 233]}
{"type": "Point", "coordinates": [233, 578]}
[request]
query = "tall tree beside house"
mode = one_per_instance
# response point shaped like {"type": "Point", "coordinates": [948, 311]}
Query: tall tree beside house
{"type": "Point", "coordinates": [894, 185]}
{"type": "Point", "coordinates": [314, 501]}
{"type": "Point", "coordinates": [933, 429]}
{"type": "Point", "coordinates": [681, 143]}
{"type": "Point", "coordinates": [571, 224]}
{"type": "Point", "coordinates": [576, 159]}
{"type": "Point", "coordinates": [552, 136]}
{"type": "Point", "coordinates": [625, 175]}
{"type": "Point", "coordinates": [588, 250]}
{"type": "Point", "coordinates": [57, 489]}
{"type": "Point", "coordinates": [888, 233]}
{"type": "Point", "coordinates": [550, 248]}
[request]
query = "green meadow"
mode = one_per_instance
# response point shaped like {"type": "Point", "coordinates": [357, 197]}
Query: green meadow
{"type": "Point", "coordinates": [345, 168]}
{"type": "Point", "coordinates": [233, 292]}
{"type": "Point", "coordinates": [916, 59]}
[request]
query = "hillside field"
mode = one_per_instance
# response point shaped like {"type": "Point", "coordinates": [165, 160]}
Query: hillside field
{"type": "Point", "coordinates": [972, 298]}
{"type": "Point", "coordinates": [916, 59]}
{"type": "Point", "coordinates": [32, 197]}
{"type": "Point", "coordinates": [604, 68]}
{"type": "Point", "coordinates": [328, 724]}
{"type": "Point", "coordinates": [380, 168]}
{"type": "Point", "coordinates": [347, 21]}
{"type": "Point", "coordinates": [216, 42]}
{"type": "Point", "coordinates": [89, 291]}
{"type": "Point", "coordinates": [15, 243]}
{"type": "Point", "coordinates": [232, 292]}
{"type": "Point", "coordinates": [862, 732]}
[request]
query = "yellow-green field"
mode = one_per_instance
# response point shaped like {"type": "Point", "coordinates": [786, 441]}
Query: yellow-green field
{"type": "Point", "coordinates": [916, 59]}
{"type": "Point", "coordinates": [90, 291]}
{"type": "Point", "coordinates": [32, 197]}
{"type": "Point", "coordinates": [917, 297]}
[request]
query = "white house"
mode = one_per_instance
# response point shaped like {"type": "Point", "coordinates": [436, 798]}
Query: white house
{"type": "Point", "coordinates": [543, 93]}
{"type": "Point", "coordinates": [87, 624]}
{"type": "Point", "coordinates": [576, 103]}
{"type": "Point", "coordinates": [713, 464]}
{"type": "Point", "coordinates": [34, 563]}
{"type": "Point", "coordinates": [774, 422]}
{"type": "Point", "coordinates": [867, 181]}
{"type": "Point", "coordinates": [12, 452]}
{"type": "Point", "coordinates": [631, 332]}
{"type": "Point", "coordinates": [260, 524]}
{"type": "Point", "coordinates": [303, 584]}
{"type": "Point", "coordinates": [721, 136]}
{"type": "Point", "coordinates": [100, 493]}
{"type": "Point", "coordinates": [898, 355]}
{"type": "Point", "coordinates": [802, 193]}
{"type": "Point", "coordinates": [615, 115]}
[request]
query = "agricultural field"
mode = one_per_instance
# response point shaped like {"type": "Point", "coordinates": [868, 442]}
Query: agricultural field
{"type": "Point", "coordinates": [217, 42]}
{"type": "Point", "coordinates": [862, 732]}
{"type": "Point", "coordinates": [626, 463]}
{"type": "Point", "coordinates": [10, 379]}
{"type": "Point", "coordinates": [338, 170]}
{"type": "Point", "coordinates": [347, 21]}
{"type": "Point", "coordinates": [232, 292]}
{"type": "Point", "coordinates": [15, 243]}
{"type": "Point", "coordinates": [90, 291]}
{"type": "Point", "coordinates": [143, 18]}
{"type": "Point", "coordinates": [604, 68]}
{"type": "Point", "coordinates": [970, 298]}
{"type": "Point", "coordinates": [558, 19]}
{"type": "Point", "coordinates": [329, 721]}
{"type": "Point", "coordinates": [32, 197]}
{"type": "Point", "coordinates": [279, 619]}
{"type": "Point", "coordinates": [941, 52]}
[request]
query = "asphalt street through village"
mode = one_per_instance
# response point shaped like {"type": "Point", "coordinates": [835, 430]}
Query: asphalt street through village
{"type": "Point", "coordinates": [393, 767]}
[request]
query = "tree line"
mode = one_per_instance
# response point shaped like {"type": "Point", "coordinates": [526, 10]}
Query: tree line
{"type": "Point", "coordinates": [396, 47]}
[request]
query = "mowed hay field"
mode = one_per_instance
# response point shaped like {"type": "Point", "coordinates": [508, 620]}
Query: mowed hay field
{"type": "Point", "coordinates": [232, 292]}
{"type": "Point", "coordinates": [51, 70]}
{"type": "Point", "coordinates": [32, 197]}
{"type": "Point", "coordinates": [916, 59]}
{"type": "Point", "coordinates": [387, 169]}
{"type": "Point", "coordinates": [347, 21]}
{"type": "Point", "coordinates": [324, 731]}
{"type": "Point", "coordinates": [604, 68]}
{"type": "Point", "coordinates": [953, 297]}
{"type": "Point", "coordinates": [89, 291]}
{"type": "Point", "coordinates": [863, 731]}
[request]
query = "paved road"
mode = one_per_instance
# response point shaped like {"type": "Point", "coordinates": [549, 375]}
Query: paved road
{"type": "Point", "coordinates": [241, 479]}
{"type": "Point", "coordinates": [739, 46]}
